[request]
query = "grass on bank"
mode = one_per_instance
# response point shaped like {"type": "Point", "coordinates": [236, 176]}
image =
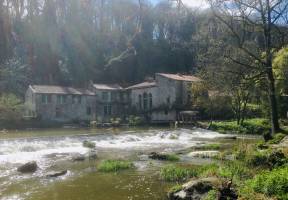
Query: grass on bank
{"type": "Point", "coordinates": [177, 173]}
{"type": "Point", "coordinates": [256, 174]}
{"type": "Point", "coordinates": [270, 183]}
{"type": "Point", "coordinates": [114, 165]}
{"type": "Point", "coordinates": [250, 126]}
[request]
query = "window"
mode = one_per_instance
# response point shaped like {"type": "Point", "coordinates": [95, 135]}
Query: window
{"type": "Point", "coordinates": [107, 109]}
{"type": "Point", "coordinates": [113, 96]}
{"type": "Point", "coordinates": [150, 101]}
{"type": "Point", "coordinates": [140, 101]}
{"type": "Point", "coordinates": [58, 112]}
{"type": "Point", "coordinates": [61, 99]}
{"type": "Point", "coordinates": [46, 98]}
{"type": "Point", "coordinates": [145, 101]}
{"type": "Point", "coordinates": [105, 96]}
{"type": "Point", "coordinates": [88, 110]}
{"type": "Point", "coordinates": [76, 99]}
{"type": "Point", "coordinates": [168, 100]}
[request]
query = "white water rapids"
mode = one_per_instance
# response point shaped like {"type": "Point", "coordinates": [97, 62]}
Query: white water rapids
{"type": "Point", "coordinates": [47, 150]}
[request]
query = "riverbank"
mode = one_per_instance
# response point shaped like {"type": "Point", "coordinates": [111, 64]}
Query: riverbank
{"type": "Point", "coordinates": [248, 172]}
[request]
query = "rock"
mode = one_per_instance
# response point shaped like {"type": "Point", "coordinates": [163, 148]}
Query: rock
{"type": "Point", "coordinates": [229, 137]}
{"type": "Point", "coordinates": [204, 154]}
{"type": "Point", "coordinates": [89, 144]}
{"type": "Point", "coordinates": [92, 155]}
{"type": "Point", "coordinates": [157, 156]}
{"type": "Point", "coordinates": [29, 167]}
{"type": "Point", "coordinates": [195, 189]}
{"type": "Point", "coordinates": [56, 174]}
{"type": "Point", "coordinates": [78, 157]}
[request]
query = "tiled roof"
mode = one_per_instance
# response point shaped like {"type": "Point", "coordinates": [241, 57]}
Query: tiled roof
{"type": "Point", "coordinates": [49, 89]}
{"type": "Point", "coordinates": [143, 85]}
{"type": "Point", "coordinates": [107, 86]}
{"type": "Point", "coordinates": [180, 77]}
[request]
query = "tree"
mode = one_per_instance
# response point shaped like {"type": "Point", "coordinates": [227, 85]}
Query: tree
{"type": "Point", "coordinates": [261, 20]}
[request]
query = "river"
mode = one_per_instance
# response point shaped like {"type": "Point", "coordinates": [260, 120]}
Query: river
{"type": "Point", "coordinates": [54, 149]}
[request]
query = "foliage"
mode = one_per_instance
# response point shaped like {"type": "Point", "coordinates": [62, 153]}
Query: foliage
{"type": "Point", "coordinates": [277, 138]}
{"type": "Point", "coordinates": [135, 120]}
{"type": "Point", "coordinates": [11, 108]}
{"type": "Point", "coordinates": [211, 147]}
{"type": "Point", "coordinates": [114, 165]}
{"type": "Point", "coordinates": [250, 126]}
{"type": "Point", "coordinates": [280, 69]}
{"type": "Point", "coordinates": [115, 121]}
{"type": "Point", "coordinates": [271, 183]}
{"type": "Point", "coordinates": [175, 188]}
{"type": "Point", "coordinates": [89, 144]}
{"type": "Point", "coordinates": [176, 173]}
{"type": "Point", "coordinates": [212, 195]}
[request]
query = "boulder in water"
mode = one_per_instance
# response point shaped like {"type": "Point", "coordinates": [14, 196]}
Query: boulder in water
{"type": "Point", "coordinates": [92, 155]}
{"type": "Point", "coordinates": [78, 157]}
{"type": "Point", "coordinates": [57, 174]}
{"type": "Point", "coordinates": [29, 167]}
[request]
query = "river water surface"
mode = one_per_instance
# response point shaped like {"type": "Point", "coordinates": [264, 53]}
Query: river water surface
{"type": "Point", "coordinates": [53, 150]}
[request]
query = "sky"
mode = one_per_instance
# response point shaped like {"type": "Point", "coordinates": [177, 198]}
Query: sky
{"type": "Point", "coordinates": [192, 3]}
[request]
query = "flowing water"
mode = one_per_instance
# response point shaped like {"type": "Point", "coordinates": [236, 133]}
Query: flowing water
{"type": "Point", "coordinates": [54, 149]}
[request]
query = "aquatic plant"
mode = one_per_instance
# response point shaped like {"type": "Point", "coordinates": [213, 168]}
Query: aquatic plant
{"type": "Point", "coordinates": [176, 173]}
{"type": "Point", "coordinates": [211, 147]}
{"type": "Point", "coordinates": [89, 144]}
{"type": "Point", "coordinates": [114, 165]}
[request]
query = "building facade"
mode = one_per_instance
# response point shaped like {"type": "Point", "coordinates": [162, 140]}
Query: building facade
{"type": "Point", "coordinates": [159, 100]}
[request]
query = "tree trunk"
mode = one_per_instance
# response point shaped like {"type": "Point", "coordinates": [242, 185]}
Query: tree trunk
{"type": "Point", "coordinates": [273, 103]}
{"type": "Point", "coordinates": [269, 70]}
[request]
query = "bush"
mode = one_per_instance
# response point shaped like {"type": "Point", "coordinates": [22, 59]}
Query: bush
{"type": "Point", "coordinates": [250, 126]}
{"type": "Point", "coordinates": [114, 165]}
{"type": "Point", "coordinates": [175, 173]}
{"type": "Point", "coordinates": [89, 144]}
{"type": "Point", "coordinates": [257, 159]}
{"type": "Point", "coordinates": [135, 121]}
{"type": "Point", "coordinates": [276, 159]}
{"type": "Point", "coordinates": [276, 139]}
{"type": "Point", "coordinates": [271, 183]}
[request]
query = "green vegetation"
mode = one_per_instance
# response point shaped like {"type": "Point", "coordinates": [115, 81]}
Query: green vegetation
{"type": "Point", "coordinates": [135, 120]}
{"type": "Point", "coordinates": [177, 173]}
{"type": "Point", "coordinates": [212, 195]}
{"type": "Point", "coordinates": [175, 188]}
{"type": "Point", "coordinates": [250, 126]}
{"type": "Point", "coordinates": [163, 156]}
{"type": "Point", "coordinates": [172, 157]}
{"type": "Point", "coordinates": [276, 139]}
{"type": "Point", "coordinates": [114, 165]}
{"type": "Point", "coordinates": [271, 183]}
{"type": "Point", "coordinates": [89, 144]}
{"type": "Point", "coordinates": [211, 147]}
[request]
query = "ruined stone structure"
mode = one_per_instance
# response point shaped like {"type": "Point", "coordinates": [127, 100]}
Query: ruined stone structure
{"type": "Point", "coordinates": [158, 100]}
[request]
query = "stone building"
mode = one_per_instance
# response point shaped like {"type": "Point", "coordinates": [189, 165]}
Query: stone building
{"type": "Point", "coordinates": [158, 100]}
{"type": "Point", "coordinates": [111, 101]}
{"type": "Point", "coordinates": [162, 99]}
{"type": "Point", "coordinates": [59, 103]}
